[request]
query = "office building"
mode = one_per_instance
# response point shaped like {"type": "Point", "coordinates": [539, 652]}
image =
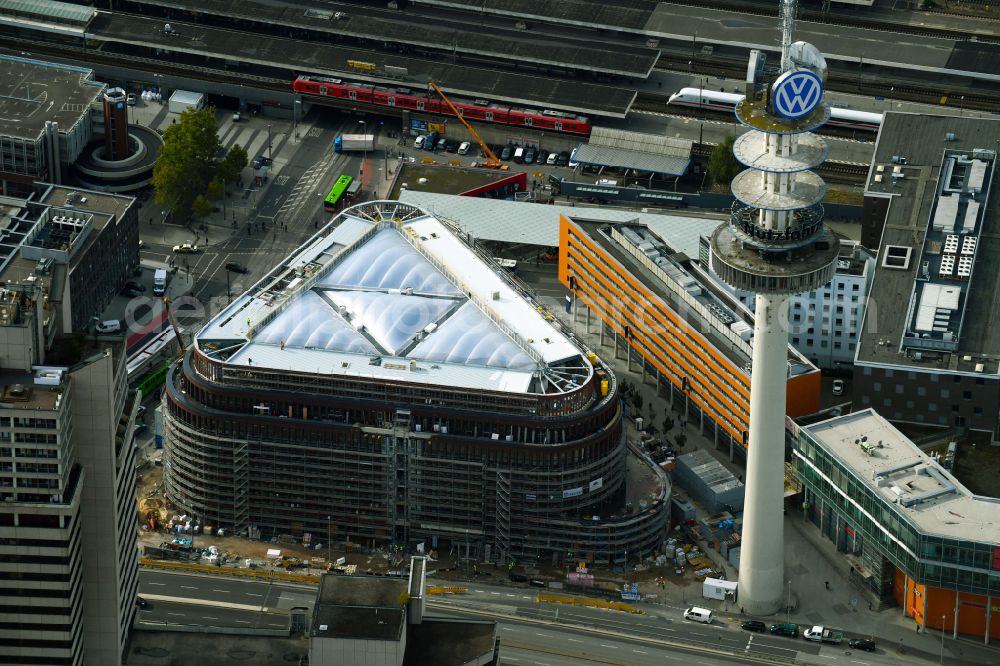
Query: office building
{"type": "Point", "coordinates": [913, 534]}
{"type": "Point", "coordinates": [67, 465]}
{"type": "Point", "coordinates": [46, 112]}
{"type": "Point", "coordinates": [929, 350]}
{"type": "Point", "coordinates": [824, 323]}
{"type": "Point", "coordinates": [387, 384]}
{"type": "Point", "coordinates": [676, 323]}
{"type": "Point", "coordinates": [79, 245]}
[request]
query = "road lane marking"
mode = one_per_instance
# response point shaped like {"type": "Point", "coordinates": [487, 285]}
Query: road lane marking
{"type": "Point", "coordinates": [226, 591]}
{"type": "Point", "coordinates": [189, 587]}
{"type": "Point", "coordinates": [242, 621]}
{"type": "Point", "coordinates": [864, 663]}
{"type": "Point", "coordinates": [640, 651]}
{"type": "Point", "coordinates": [572, 640]}
{"type": "Point", "coordinates": [513, 595]}
{"type": "Point", "coordinates": [176, 614]}
{"type": "Point", "coordinates": [613, 647]}
{"type": "Point", "coordinates": [511, 629]}
{"type": "Point", "coordinates": [160, 584]}
{"type": "Point", "coordinates": [205, 617]}
{"type": "Point", "coordinates": [543, 635]}
{"type": "Point", "coordinates": [253, 594]}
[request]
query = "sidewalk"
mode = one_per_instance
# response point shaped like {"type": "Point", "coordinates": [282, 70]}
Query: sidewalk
{"type": "Point", "coordinates": [810, 560]}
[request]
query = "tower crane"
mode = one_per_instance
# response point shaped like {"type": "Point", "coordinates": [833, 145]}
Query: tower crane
{"type": "Point", "coordinates": [491, 160]}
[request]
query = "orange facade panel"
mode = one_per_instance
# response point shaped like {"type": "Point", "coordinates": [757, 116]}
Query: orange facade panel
{"type": "Point", "coordinates": [663, 338]}
{"type": "Point", "coordinates": [937, 608]}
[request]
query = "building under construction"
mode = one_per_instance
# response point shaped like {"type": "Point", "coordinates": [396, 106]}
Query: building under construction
{"type": "Point", "coordinates": [387, 384]}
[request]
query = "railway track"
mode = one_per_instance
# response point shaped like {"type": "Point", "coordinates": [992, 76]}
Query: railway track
{"type": "Point", "coordinates": [846, 20]}
{"type": "Point", "coordinates": [904, 91]}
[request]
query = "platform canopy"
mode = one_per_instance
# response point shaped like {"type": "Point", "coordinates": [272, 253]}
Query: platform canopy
{"type": "Point", "coordinates": [622, 149]}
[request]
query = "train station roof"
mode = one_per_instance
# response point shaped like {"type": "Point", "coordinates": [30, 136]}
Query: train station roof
{"type": "Point", "coordinates": [48, 11]}
{"type": "Point", "coordinates": [300, 56]}
{"type": "Point", "coordinates": [380, 25]}
{"type": "Point", "coordinates": [622, 149]}
{"type": "Point", "coordinates": [619, 13]}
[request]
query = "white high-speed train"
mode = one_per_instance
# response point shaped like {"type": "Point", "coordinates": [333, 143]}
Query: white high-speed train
{"type": "Point", "coordinates": [723, 101]}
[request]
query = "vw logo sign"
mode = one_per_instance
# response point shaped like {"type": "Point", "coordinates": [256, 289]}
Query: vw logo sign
{"type": "Point", "coordinates": [796, 93]}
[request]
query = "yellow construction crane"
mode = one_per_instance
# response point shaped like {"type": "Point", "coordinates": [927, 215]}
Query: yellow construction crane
{"type": "Point", "coordinates": [491, 160]}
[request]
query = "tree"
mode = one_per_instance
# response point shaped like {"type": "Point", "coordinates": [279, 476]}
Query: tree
{"type": "Point", "coordinates": [200, 206]}
{"type": "Point", "coordinates": [668, 424]}
{"type": "Point", "coordinates": [232, 165]}
{"type": "Point", "coordinates": [214, 190]}
{"type": "Point", "coordinates": [723, 165]}
{"type": "Point", "coordinates": [680, 439]}
{"type": "Point", "coordinates": [184, 164]}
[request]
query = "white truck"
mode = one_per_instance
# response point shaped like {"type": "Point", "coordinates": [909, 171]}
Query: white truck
{"type": "Point", "coordinates": [159, 281]}
{"type": "Point", "coordinates": [823, 635]}
{"type": "Point", "coordinates": [182, 100]}
{"type": "Point", "coordinates": [348, 142]}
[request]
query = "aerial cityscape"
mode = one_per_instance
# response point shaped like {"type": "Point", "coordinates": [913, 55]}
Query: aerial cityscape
{"type": "Point", "coordinates": [469, 332]}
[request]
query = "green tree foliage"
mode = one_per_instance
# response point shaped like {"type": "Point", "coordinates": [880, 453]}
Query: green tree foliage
{"type": "Point", "coordinates": [214, 190]}
{"type": "Point", "coordinates": [200, 207]}
{"type": "Point", "coordinates": [184, 165]}
{"type": "Point", "coordinates": [232, 166]}
{"type": "Point", "coordinates": [722, 164]}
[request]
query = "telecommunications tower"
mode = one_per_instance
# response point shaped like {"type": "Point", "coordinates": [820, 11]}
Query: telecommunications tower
{"type": "Point", "coordinates": [775, 245]}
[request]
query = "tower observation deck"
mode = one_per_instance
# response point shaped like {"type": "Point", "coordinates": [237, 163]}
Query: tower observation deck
{"type": "Point", "coordinates": [775, 244]}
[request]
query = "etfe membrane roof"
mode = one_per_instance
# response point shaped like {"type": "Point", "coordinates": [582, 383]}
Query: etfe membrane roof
{"type": "Point", "coordinates": [390, 292]}
{"type": "Point", "coordinates": [906, 479]}
{"type": "Point", "coordinates": [442, 33]}
{"type": "Point", "coordinates": [299, 56]}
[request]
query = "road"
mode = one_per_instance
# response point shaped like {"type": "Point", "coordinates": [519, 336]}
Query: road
{"type": "Point", "coordinates": [532, 633]}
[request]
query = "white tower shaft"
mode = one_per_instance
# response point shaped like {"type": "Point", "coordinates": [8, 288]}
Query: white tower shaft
{"type": "Point", "coordinates": [762, 551]}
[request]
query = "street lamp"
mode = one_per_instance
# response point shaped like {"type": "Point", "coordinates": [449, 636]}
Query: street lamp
{"type": "Point", "coordinates": [942, 639]}
{"type": "Point", "coordinates": [329, 545]}
{"type": "Point", "coordinates": [364, 149]}
{"type": "Point", "coordinates": [788, 602]}
{"type": "Point", "coordinates": [268, 142]}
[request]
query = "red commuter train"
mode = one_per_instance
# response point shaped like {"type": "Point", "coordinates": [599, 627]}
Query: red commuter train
{"type": "Point", "coordinates": [480, 109]}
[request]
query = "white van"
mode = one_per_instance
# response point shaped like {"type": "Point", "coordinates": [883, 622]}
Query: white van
{"type": "Point", "coordinates": [519, 154]}
{"type": "Point", "coordinates": [419, 142]}
{"type": "Point", "coordinates": [464, 148]}
{"type": "Point", "coordinates": [698, 614]}
{"type": "Point", "coordinates": [108, 326]}
{"type": "Point", "coordinates": [159, 281]}
{"type": "Point", "coordinates": [552, 158]}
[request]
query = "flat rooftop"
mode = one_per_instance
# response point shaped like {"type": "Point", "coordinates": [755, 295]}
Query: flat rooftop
{"type": "Point", "coordinates": [324, 59]}
{"type": "Point", "coordinates": [899, 288]}
{"type": "Point", "coordinates": [33, 93]}
{"type": "Point", "coordinates": [633, 14]}
{"type": "Point", "coordinates": [388, 292]}
{"type": "Point", "coordinates": [675, 283]}
{"type": "Point", "coordinates": [378, 24]}
{"type": "Point", "coordinates": [417, 177]}
{"type": "Point", "coordinates": [448, 642]}
{"type": "Point", "coordinates": [909, 482]}
{"type": "Point", "coordinates": [359, 607]}
{"type": "Point", "coordinates": [40, 390]}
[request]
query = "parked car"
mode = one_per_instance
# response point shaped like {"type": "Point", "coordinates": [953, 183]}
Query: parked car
{"type": "Point", "coordinates": [785, 629]}
{"type": "Point", "coordinates": [552, 159]}
{"type": "Point", "coordinates": [451, 146]}
{"type": "Point", "coordinates": [132, 284]}
{"type": "Point", "coordinates": [261, 161]}
{"type": "Point", "coordinates": [536, 582]}
{"type": "Point", "coordinates": [234, 267]}
{"type": "Point", "coordinates": [505, 153]}
{"type": "Point", "coordinates": [186, 248]}
{"type": "Point", "coordinates": [563, 159]}
{"type": "Point", "coordinates": [529, 156]}
{"type": "Point", "coordinates": [464, 148]}
{"type": "Point", "coordinates": [862, 644]}
{"type": "Point", "coordinates": [754, 625]}
{"type": "Point", "coordinates": [838, 387]}
{"type": "Point", "coordinates": [418, 143]}
{"type": "Point", "coordinates": [130, 99]}
{"type": "Point", "coordinates": [442, 144]}
{"type": "Point", "coordinates": [141, 603]}
{"type": "Point", "coordinates": [541, 156]}
{"type": "Point", "coordinates": [130, 292]}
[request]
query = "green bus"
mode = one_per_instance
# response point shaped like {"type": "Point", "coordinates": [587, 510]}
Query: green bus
{"type": "Point", "coordinates": [336, 192]}
{"type": "Point", "coordinates": [154, 379]}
